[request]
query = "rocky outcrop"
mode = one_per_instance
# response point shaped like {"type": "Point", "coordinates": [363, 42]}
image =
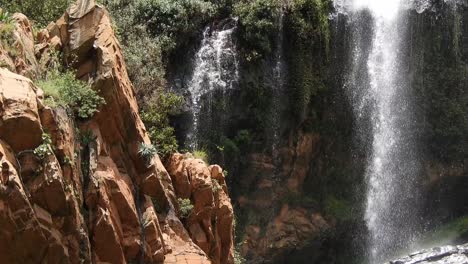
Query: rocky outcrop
{"type": "Point", "coordinates": [40, 209]}
{"type": "Point", "coordinates": [277, 218]}
{"type": "Point", "coordinates": [287, 231]}
{"type": "Point", "coordinates": [210, 223]}
{"type": "Point", "coordinates": [17, 50]}
{"type": "Point", "coordinates": [91, 197]}
{"type": "Point", "coordinates": [20, 124]}
{"type": "Point", "coordinates": [437, 255]}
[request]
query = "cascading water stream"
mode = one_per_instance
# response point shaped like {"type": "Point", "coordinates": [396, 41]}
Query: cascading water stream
{"type": "Point", "coordinates": [278, 87]}
{"type": "Point", "coordinates": [382, 103]}
{"type": "Point", "coordinates": [216, 68]}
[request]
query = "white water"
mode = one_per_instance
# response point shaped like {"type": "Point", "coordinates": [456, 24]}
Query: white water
{"type": "Point", "coordinates": [278, 86]}
{"type": "Point", "coordinates": [383, 110]}
{"type": "Point", "coordinates": [216, 68]}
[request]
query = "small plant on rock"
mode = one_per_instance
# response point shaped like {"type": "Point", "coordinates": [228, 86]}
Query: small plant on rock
{"type": "Point", "coordinates": [87, 137]}
{"type": "Point", "coordinates": [5, 17]}
{"type": "Point", "coordinates": [147, 151]}
{"type": "Point", "coordinates": [215, 186]}
{"type": "Point", "coordinates": [201, 154]}
{"type": "Point", "coordinates": [7, 27]}
{"type": "Point", "coordinates": [185, 207]}
{"type": "Point", "coordinates": [45, 149]}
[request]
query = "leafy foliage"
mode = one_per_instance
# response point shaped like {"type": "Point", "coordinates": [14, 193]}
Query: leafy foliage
{"type": "Point", "coordinates": [41, 12]}
{"type": "Point", "coordinates": [5, 17]}
{"type": "Point", "coordinates": [238, 259]}
{"type": "Point", "coordinates": [172, 21]}
{"type": "Point", "coordinates": [258, 20]}
{"type": "Point", "coordinates": [147, 151]}
{"type": "Point", "coordinates": [439, 83]}
{"type": "Point", "coordinates": [185, 207]}
{"type": "Point", "coordinates": [7, 27]}
{"type": "Point", "coordinates": [201, 154]}
{"type": "Point", "coordinates": [155, 115]}
{"type": "Point", "coordinates": [64, 89]}
{"type": "Point", "coordinates": [45, 149]}
{"type": "Point", "coordinates": [308, 39]}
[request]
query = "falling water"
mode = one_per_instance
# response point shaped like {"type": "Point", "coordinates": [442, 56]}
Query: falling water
{"type": "Point", "coordinates": [216, 68]}
{"type": "Point", "coordinates": [278, 76]}
{"type": "Point", "coordinates": [382, 103]}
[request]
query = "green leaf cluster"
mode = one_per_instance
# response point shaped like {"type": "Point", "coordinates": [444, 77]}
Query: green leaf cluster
{"type": "Point", "coordinates": [45, 149]}
{"type": "Point", "coordinates": [62, 88]}
{"type": "Point", "coordinates": [258, 23]}
{"type": "Point", "coordinates": [7, 27]}
{"type": "Point", "coordinates": [155, 115]}
{"type": "Point", "coordinates": [41, 12]}
{"type": "Point", "coordinates": [185, 207]}
{"type": "Point", "coordinates": [147, 151]}
{"type": "Point", "coordinates": [201, 154]}
{"type": "Point", "coordinates": [171, 21]}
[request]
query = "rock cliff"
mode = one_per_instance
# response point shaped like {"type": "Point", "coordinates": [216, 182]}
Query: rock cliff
{"type": "Point", "coordinates": [92, 198]}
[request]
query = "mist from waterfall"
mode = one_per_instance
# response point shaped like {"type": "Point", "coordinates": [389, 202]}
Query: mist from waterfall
{"type": "Point", "coordinates": [378, 87]}
{"type": "Point", "coordinates": [216, 67]}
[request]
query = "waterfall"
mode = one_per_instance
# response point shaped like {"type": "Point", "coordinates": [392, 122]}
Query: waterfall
{"type": "Point", "coordinates": [278, 86]}
{"type": "Point", "coordinates": [216, 67]}
{"type": "Point", "coordinates": [382, 103]}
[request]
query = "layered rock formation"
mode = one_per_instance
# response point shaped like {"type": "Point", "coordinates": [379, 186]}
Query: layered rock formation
{"type": "Point", "coordinates": [92, 198]}
{"type": "Point", "coordinates": [210, 222]}
{"type": "Point", "coordinates": [438, 255]}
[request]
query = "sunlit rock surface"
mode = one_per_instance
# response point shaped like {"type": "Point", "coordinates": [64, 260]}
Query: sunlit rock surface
{"type": "Point", "coordinates": [437, 255]}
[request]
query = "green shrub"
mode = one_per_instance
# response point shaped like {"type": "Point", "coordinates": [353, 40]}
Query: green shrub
{"type": "Point", "coordinates": [307, 36]}
{"type": "Point", "coordinates": [185, 207]}
{"type": "Point", "coordinates": [147, 151]}
{"type": "Point", "coordinates": [238, 259]}
{"type": "Point", "coordinates": [45, 149]}
{"type": "Point", "coordinates": [172, 21]}
{"type": "Point", "coordinates": [201, 154]}
{"type": "Point", "coordinates": [155, 114]}
{"type": "Point", "coordinates": [7, 27]}
{"type": "Point", "coordinates": [5, 17]}
{"type": "Point", "coordinates": [64, 89]}
{"type": "Point", "coordinates": [258, 24]}
{"type": "Point", "coordinates": [41, 12]}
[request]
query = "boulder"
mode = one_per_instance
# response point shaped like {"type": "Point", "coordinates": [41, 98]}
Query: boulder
{"type": "Point", "coordinates": [20, 125]}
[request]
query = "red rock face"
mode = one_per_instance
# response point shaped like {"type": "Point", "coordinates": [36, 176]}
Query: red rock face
{"type": "Point", "coordinates": [96, 201]}
{"type": "Point", "coordinates": [270, 233]}
{"type": "Point", "coordinates": [210, 222]}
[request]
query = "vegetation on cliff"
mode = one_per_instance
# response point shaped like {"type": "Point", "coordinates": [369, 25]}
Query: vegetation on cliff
{"type": "Point", "coordinates": [41, 12]}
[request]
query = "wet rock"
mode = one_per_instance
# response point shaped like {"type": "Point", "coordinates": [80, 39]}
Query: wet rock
{"type": "Point", "coordinates": [437, 255]}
